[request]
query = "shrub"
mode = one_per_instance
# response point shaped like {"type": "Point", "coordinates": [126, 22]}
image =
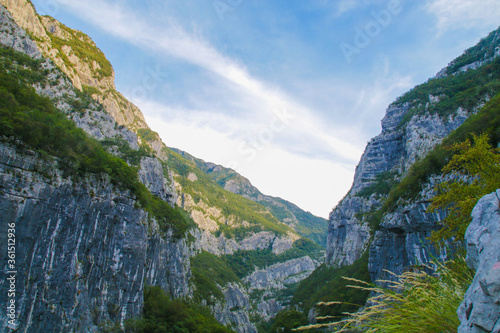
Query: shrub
{"type": "Point", "coordinates": [326, 283]}
{"type": "Point", "coordinates": [476, 167]}
{"type": "Point", "coordinates": [162, 314]}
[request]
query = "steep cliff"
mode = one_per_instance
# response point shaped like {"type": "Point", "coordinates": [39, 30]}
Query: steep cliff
{"type": "Point", "coordinates": [379, 213]}
{"type": "Point", "coordinates": [83, 250]}
{"type": "Point", "coordinates": [79, 58]}
{"type": "Point", "coordinates": [480, 310]}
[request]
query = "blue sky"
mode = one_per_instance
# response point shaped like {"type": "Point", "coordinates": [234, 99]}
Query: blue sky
{"type": "Point", "coordinates": [287, 92]}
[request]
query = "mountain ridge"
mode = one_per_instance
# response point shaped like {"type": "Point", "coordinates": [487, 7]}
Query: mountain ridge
{"type": "Point", "coordinates": [306, 224]}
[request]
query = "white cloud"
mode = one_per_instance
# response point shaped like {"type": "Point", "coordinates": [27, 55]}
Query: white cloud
{"type": "Point", "coordinates": [312, 184]}
{"type": "Point", "coordinates": [172, 40]}
{"type": "Point", "coordinates": [458, 14]}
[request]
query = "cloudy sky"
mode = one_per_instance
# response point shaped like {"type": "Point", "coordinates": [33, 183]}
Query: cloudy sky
{"type": "Point", "coordinates": [286, 92]}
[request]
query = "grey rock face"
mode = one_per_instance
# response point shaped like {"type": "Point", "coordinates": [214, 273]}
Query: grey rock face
{"type": "Point", "coordinates": [83, 251]}
{"type": "Point", "coordinates": [402, 239]}
{"type": "Point", "coordinates": [11, 35]}
{"type": "Point", "coordinates": [274, 278]}
{"type": "Point", "coordinates": [235, 311]}
{"type": "Point", "coordinates": [394, 150]}
{"type": "Point", "coordinates": [480, 310]}
{"type": "Point", "coordinates": [221, 245]}
{"type": "Point", "coordinates": [347, 235]}
{"type": "Point", "coordinates": [151, 175]}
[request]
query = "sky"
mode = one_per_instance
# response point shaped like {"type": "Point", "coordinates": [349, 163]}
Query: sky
{"type": "Point", "coordinates": [286, 92]}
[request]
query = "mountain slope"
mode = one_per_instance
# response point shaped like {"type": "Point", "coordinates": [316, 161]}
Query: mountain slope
{"type": "Point", "coordinates": [414, 124]}
{"type": "Point", "coordinates": [304, 223]}
{"type": "Point", "coordinates": [85, 227]}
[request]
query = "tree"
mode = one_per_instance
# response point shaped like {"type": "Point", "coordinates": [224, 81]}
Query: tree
{"type": "Point", "coordinates": [474, 170]}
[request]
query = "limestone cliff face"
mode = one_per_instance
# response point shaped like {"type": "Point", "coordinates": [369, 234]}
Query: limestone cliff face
{"type": "Point", "coordinates": [393, 151]}
{"type": "Point", "coordinates": [410, 129]}
{"type": "Point", "coordinates": [480, 310]}
{"type": "Point", "coordinates": [83, 250]}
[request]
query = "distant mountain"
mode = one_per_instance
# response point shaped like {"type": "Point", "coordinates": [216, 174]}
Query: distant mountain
{"type": "Point", "coordinates": [304, 223]}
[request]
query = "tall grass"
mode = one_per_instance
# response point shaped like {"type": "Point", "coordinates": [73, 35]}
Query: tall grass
{"type": "Point", "coordinates": [423, 300]}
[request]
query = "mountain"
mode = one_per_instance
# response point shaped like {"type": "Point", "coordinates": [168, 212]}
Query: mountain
{"type": "Point", "coordinates": [304, 223]}
{"type": "Point", "coordinates": [103, 210]}
{"type": "Point", "coordinates": [382, 224]}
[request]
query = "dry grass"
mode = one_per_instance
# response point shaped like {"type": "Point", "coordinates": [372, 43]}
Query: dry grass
{"type": "Point", "coordinates": [416, 301]}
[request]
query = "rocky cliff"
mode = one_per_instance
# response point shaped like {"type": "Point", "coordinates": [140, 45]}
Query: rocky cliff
{"type": "Point", "coordinates": [395, 233]}
{"type": "Point", "coordinates": [83, 251]}
{"type": "Point", "coordinates": [304, 223]}
{"type": "Point", "coordinates": [480, 310]}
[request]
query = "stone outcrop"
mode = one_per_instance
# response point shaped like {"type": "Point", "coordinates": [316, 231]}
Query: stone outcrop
{"type": "Point", "coordinates": [84, 248]}
{"type": "Point", "coordinates": [480, 310]}
{"type": "Point", "coordinates": [236, 309]}
{"type": "Point", "coordinates": [151, 174]}
{"type": "Point", "coordinates": [11, 35]}
{"type": "Point", "coordinates": [403, 238]}
{"type": "Point", "coordinates": [82, 72]}
{"type": "Point", "coordinates": [276, 276]}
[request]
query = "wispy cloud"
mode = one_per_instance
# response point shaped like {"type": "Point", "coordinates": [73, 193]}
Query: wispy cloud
{"type": "Point", "coordinates": [455, 14]}
{"type": "Point", "coordinates": [269, 101]}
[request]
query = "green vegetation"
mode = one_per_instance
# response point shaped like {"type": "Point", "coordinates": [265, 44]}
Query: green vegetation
{"type": "Point", "coordinates": [132, 156]}
{"type": "Point", "coordinates": [477, 166]}
{"type": "Point", "coordinates": [465, 90]}
{"type": "Point", "coordinates": [210, 272]}
{"type": "Point", "coordinates": [232, 206]}
{"type": "Point", "coordinates": [325, 284]}
{"type": "Point", "coordinates": [285, 321]}
{"type": "Point", "coordinates": [417, 301]}
{"type": "Point", "coordinates": [161, 314]}
{"type": "Point", "coordinates": [39, 124]}
{"type": "Point", "coordinates": [486, 121]}
{"type": "Point", "coordinates": [21, 67]}
{"type": "Point", "coordinates": [90, 90]}
{"type": "Point", "coordinates": [309, 225]}
{"type": "Point", "coordinates": [84, 48]}
{"type": "Point", "coordinates": [382, 184]}
{"type": "Point", "coordinates": [244, 263]}
{"type": "Point", "coordinates": [485, 49]}
{"type": "Point", "coordinates": [148, 135]}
